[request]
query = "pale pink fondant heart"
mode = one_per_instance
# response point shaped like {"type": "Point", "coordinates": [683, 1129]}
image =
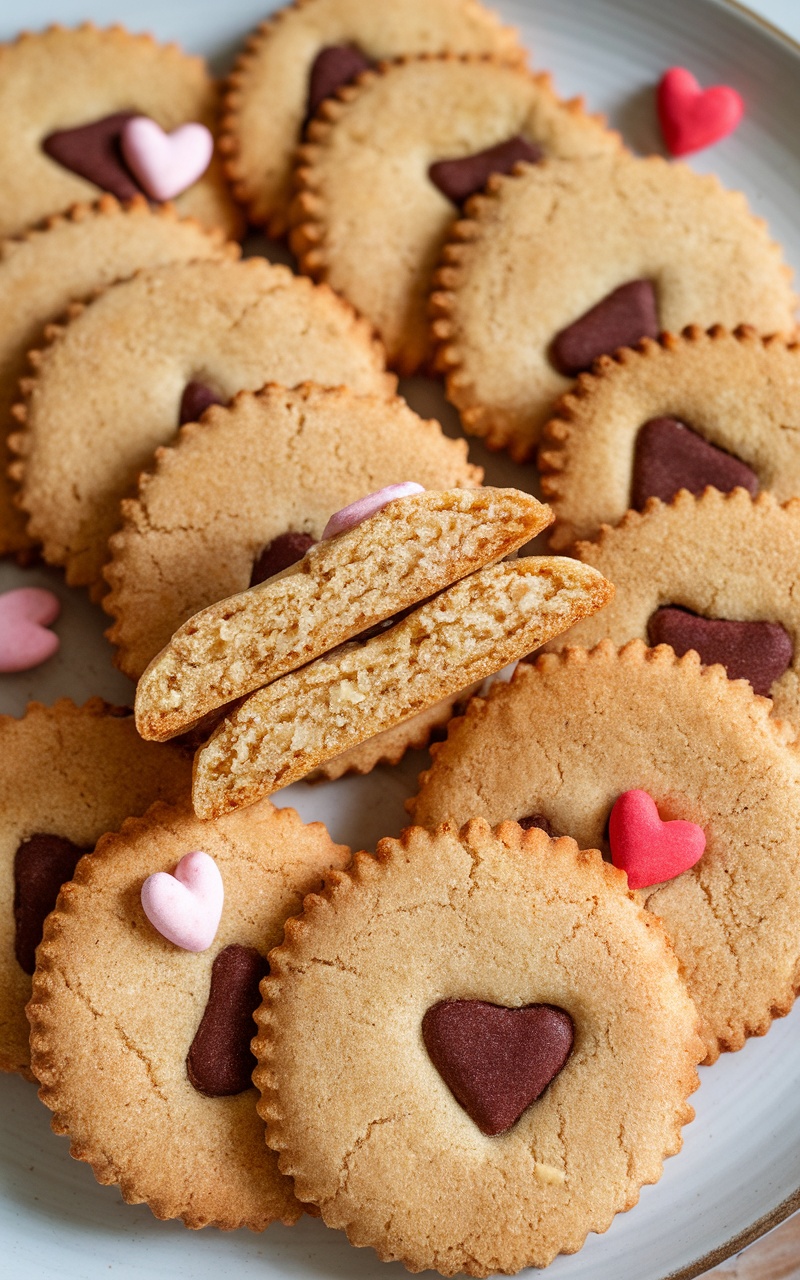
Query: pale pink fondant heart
{"type": "Point", "coordinates": [25, 614]}
{"type": "Point", "coordinates": [165, 164]}
{"type": "Point", "coordinates": [186, 907]}
{"type": "Point", "coordinates": [368, 506]}
{"type": "Point", "coordinates": [649, 850]}
{"type": "Point", "coordinates": [692, 118]}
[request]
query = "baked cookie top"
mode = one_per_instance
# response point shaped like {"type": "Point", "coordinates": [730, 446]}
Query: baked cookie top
{"type": "Point", "coordinates": [69, 775]}
{"type": "Point", "coordinates": [616, 438]}
{"type": "Point", "coordinates": [572, 733]}
{"type": "Point", "coordinates": [307, 49]}
{"type": "Point", "coordinates": [68, 257]}
{"type": "Point", "coordinates": [382, 136]}
{"type": "Point", "coordinates": [566, 262]}
{"type": "Point", "coordinates": [496, 923]}
{"type": "Point", "coordinates": [146, 1073]}
{"type": "Point", "coordinates": [108, 388]}
{"type": "Point", "coordinates": [62, 79]}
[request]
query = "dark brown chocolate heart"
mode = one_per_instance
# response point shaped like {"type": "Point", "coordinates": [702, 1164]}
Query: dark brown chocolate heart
{"type": "Point", "coordinates": [496, 1061]}
{"type": "Point", "coordinates": [756, 651]}
{"type": "Point", "coordinates": [537, 820]}
{"type": "Point", "coordinates": [670, 456]}
{"type": "Point", "coordinates": [195, 400]}
{"type": "Point", "coordinates": [333, 66]}
{"type": "Point", "coordinates": [42, 864]}
{"type": "Point", "coordinates": [220, 1061]}
{"type": "Point", "coordinates": [283, 551]}
{"type": "Point", "coordinates": [621, 319]}
{"type": "Point", "coordinates": [93, 152]}
{"type": "Point", "coordinates": [459, 179]}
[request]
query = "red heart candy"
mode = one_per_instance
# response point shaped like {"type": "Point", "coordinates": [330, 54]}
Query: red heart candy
{"type": "Point", "coordinates": [693, 118]}
{"type": "Point", "coordinates": [649, 850]}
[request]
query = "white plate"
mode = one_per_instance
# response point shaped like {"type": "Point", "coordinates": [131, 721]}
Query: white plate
{"type": "Point", "coordinates": [739, 1171]}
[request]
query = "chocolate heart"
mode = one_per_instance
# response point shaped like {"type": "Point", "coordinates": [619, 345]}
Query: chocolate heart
{"type": "Point", "coordinates": [461, 178]}
{"type": "Point", "coordinates": [93, 152]}
{"type": "Point", "coordinates": [283, 551]}
{"type": "Point", "coordinates": [670, 456]}
{"type": "Point", "coordinates": [220, 1062]}
{"type": "Point", "coordinates": [537, 820]}
{"type": "Point", "coordinates": [621, 319]}
{"type": "Point", "coordinates": [756, 651]}
{"type": "Point", "coordinates": [195, 400]}
{"type": "Point", "coordinates": [496, 1061]}
{"type": "Point", "coordinates": [333, 66]}
{"type": "Point", "coordinates": [42, 864]}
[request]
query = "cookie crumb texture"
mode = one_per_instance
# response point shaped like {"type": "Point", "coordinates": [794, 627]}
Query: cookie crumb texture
{"type": "Point", "coordinates": [116, 1008]}
{"type": "Point", "coordinates": [390, 1156]}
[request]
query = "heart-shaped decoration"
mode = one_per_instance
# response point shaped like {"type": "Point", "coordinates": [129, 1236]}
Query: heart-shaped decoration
{"type": "Point", "coordinates": [669, 456]}
{"type": "Point", "coordinates": [165, 164]}
{"type": "Point", "coordinates": [649, 850]}
{"type": "Point", "coordinates": [496, 1061]}
{"type": "Point", "coordinates": [25, 614]}
{"type": "Point", "coordinates": [359, 511]}
{"type": "Point", "coordinates": [186, 907]}
{"type": "Point", "coordinates": [692, 118]}
{"type": "Point", "coordinates": [760, 652]}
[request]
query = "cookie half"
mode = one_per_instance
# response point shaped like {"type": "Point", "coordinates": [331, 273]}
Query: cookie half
{"type": "Point", "coordinates": [462, 635]}
{"type": "Point", "coordinates": [141, 1048]}
{"type": "Point", "coordinates": [398, 134]}
{"type": "Point", "coordinates": [307, 49]}
{"type": "Point", "coordinates": [462, 946]}
{"type": "Point", "coordinates": [567, 262]}
{"type": "Point", "coordinates": [69, 775]}
{"type": "Point", "coordinates": [575, 731]}
{"type": "Point", "coordinates": [702, 408]}
{"type": "Point", "coordinates": [61, 80]}
{"type": "Point", "coordinates": [109, 387]}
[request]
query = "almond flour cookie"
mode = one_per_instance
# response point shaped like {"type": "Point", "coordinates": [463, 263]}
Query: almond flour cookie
{"type": "Point", "coordinates": [704, 408]}
{"type": "Point", "coordinates": [567, 262]}
{"type": "Point", "coordinates": [113, 380]}
{"type": "Point", "coordinates": [69, 257]}
{"type": "Point", "coordinates": [461, 636]}
{"type": "Point", "coordinates": [57, 81]}
{"type": "Point", "coordinates": [395, 134]}
{"type": "Point", "coordinates": [303, 53]}
{"type": "Point", "coordinates": [461, 945]}
{"type": "Point", "coordinates": [141, 1047]}
{"type": "Point", "coordinates": [69, 775]}
{"type": "Point", "coordinates": [571, 734]}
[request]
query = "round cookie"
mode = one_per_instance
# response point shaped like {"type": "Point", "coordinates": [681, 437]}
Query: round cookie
{"type": "Point", "coordinates": [58, 80]}
{"type": "Point", "coordinates": [737, 392]}
{"type": "Point", "coordinates": [476, 919]}
{"type": "Point", "coordinates": [269, 90]}
{"type": "Point", "coordinates": [129, 1035]}
{"type": "Point", "coordinates": [109, 387]}
{"type": "Point", "coordinates": [69, 257]}
{"type": "Point", "coordinates": [382, 136]}
{"type": "Point", "coordinates": [565, 262]}
{"type": "Point", "coordinates": [69, 775]}
{"type": "Point", "coordinates": [572, 733]}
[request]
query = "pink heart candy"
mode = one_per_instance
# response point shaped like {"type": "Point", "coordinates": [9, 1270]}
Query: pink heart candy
{"type": "Point", "coordinates": [25, 613]}
{"type": "Point", "coordinates": [693, 118]}
{"type": "Point", "coordinates": [186, 907]}
{"type": "Point", "coordinates": [648, 849]}
{"type": "Point", "coordinates": [165, 164]}
{"type": "Point", "coordinates": [361, 510]}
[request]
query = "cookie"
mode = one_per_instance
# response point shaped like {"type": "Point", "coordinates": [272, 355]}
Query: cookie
{"type": "Point", "coordinates": [66, 258]}
{"type": "Point", "coordinates": [462, 946]}
{"type": "Point", "coordinates": [303, 53]}
{"type": "Point", "coordinates": [141, 1047]}
{"type": "Point", "coordinates": [112, 380]}
{"type": "Point", "coordinates": [703, 408]}
{"type": "Point", "coordinates": [69, 775]}
{"type": "Point", "coordinates": [418, 134]}
{"type": "Point", "coordinates": [341, 588]}
{"type": "Point", "coordinates": [65, 96]}
{"type": "Point", "coordinates": [462, 635]}
{"type": "Point", "coordinates": [566, 262]}
{"type": "Point", "coordinates": [575, 731]}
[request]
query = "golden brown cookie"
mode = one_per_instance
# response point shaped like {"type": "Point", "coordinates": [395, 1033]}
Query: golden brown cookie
{"type": "Point", "coordinates": [434, 951]}
{"type": "Point", "coordinates": [141, 1047]}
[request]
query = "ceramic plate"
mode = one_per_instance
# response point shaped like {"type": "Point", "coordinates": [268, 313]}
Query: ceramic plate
{"type": "Point", "coordinates": [739, 1171]}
